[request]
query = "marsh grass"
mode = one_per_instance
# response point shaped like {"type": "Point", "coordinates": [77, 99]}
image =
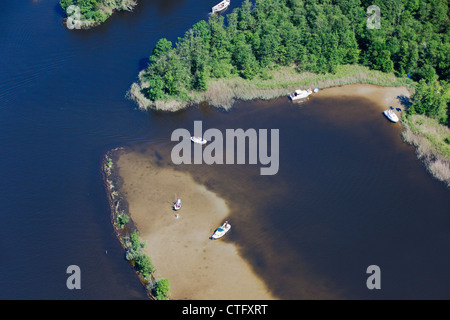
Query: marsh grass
{"type": "Point", "coordinates": [429, 138]}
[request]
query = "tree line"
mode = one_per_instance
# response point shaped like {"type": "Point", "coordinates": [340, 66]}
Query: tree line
{"type": "Point", "coordinates": [314, 35]}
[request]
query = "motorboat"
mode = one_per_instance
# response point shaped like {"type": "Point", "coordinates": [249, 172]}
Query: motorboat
{"type": "Point", "coordinates": [220, 7]}
{"type": "Point", "coordinates": [300, 94]}
{"type": "Point", "coordinates": [199, 140]}
{"type": "Point", "coordinates": [391, 115]}
{"type": "Point", "coordinates": [177, 205]}
{"type": "Point", "coordinates": [221, 231]}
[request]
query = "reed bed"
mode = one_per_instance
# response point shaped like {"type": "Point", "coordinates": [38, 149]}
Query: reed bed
{"type": "Point", "coordinates": [429, 138]}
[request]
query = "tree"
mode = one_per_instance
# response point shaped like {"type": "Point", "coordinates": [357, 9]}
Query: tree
{"type": "Point", "coordinates": [162, 289]}
{"type": "Point", "coordinates": [144, 264]}
{"type": "Point", "coordinates": [162, 47]}
{"type": "Point", "coordinates": [155, 88]}
{"type": "Point", "coordinates": [65, 4]}
{"type": "Point", "coordinates": [429, 99]}
{"type": "Point", "coordinates": [245, 18]}
{"type": "Point", "coordinates": [244, 58]}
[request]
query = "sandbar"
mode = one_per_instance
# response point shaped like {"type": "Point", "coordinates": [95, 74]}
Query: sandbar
{"type": "Point", "coordinates": [198, 268]}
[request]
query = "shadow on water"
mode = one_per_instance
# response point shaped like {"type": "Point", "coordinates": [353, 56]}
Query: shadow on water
{"type": "Point", "coordinates": [59, 10]}
{"type": "Point", "coordinates": [168, 6]}
{"type": "Point", "coordinates": [143, 64]}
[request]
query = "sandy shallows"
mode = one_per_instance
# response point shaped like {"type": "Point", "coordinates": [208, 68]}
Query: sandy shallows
{"type": "Point", "coordinates": [180, 248]}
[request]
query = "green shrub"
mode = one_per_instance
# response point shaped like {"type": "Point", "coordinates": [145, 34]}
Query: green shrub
{"type": "Point", "coordinates": [161, 289]}
{"type": "Point", "coordinates": [144, 264]}
{"type": "Point", "coordinates": [122, 220]}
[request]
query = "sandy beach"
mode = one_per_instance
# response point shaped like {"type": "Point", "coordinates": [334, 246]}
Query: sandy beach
{"type": "Point", "coordinates": [384, 97]}
{"type": "Point", "coordinates": [180, 248]}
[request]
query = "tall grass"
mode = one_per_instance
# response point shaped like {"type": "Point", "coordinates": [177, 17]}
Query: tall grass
{"type": "Point", "coordinates": [429, 138]}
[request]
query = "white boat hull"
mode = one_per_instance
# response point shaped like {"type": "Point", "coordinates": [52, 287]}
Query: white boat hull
{"type": "Point", "coordinates": [300, 94]}
{"type": "Point", "coordinates": [222, 6]}
{"type": "Point", "coordinates": [177, 205]}
{"type": "Point", "coordinates": [221, 231]}
{"type": "Point", "coordinates": [198, 140]}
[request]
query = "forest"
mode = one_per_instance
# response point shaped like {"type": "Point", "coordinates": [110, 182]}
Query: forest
{"type": "Point", "coordinates": [412, 40]}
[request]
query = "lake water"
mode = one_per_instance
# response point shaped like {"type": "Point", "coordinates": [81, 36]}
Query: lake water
{"type": "Point", "coordinates": [348, 194]}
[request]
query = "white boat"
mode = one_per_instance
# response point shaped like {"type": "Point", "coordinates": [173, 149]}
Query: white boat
{"type": "Point", "coordinates": [300, 94]}
{"type": "Point", "coordinates": [222, 6]}
{"type": "Point", "coordinates": [390, 115]}
{"type": "Point", "coordinates": [316, 90]}
{"type": "Point", "coordinates": [199, 140]}
{"type": "Point", "coordinates": [221, 231]}
{"type": "Point", "coordinates": [177, 205]}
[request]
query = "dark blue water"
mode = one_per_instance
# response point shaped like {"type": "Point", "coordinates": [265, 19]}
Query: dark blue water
{"type": "Point", "coordinates": [62, 106]}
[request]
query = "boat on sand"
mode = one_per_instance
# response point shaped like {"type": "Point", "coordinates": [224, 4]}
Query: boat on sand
{"type": "Point", "coordinates": [221, 231]}
{"type": "Point", "coordinates": [390, 115]}
{"type": "Point", "coordinates": [177, 205]}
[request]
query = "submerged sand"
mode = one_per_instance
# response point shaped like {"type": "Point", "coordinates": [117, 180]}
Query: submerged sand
{"type": "Point", "coordinates": [180, 248]}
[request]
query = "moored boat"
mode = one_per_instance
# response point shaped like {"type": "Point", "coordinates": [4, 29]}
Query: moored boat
{"type": "Point", "coordinates": [220, 7]}
{"type": "Point", "coordinates": [177, 205]}
{"type": "Point", "coordinates": [221, 231]}
{"type": "Point", "coordinates": [300, 94]}
{"type": "Point", "coordinates": [199, 140]}
{"type": "Point", "coordinates": [390, 115]}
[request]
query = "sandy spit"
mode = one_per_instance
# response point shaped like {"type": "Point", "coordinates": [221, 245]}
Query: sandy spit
{"type": "Point", "coordinates": [198, 268]}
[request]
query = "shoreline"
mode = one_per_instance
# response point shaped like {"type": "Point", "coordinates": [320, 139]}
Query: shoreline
{"type": "Point", "coordinates": [119, 205]}
{"type": "Point", "coordinates": [427, 136]}
{"type": "Point", "coordinates": [222, 93]}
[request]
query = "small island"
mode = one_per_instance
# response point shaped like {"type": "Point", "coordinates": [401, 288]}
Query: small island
{"type": "Point", "coordinates": [85, 14]}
